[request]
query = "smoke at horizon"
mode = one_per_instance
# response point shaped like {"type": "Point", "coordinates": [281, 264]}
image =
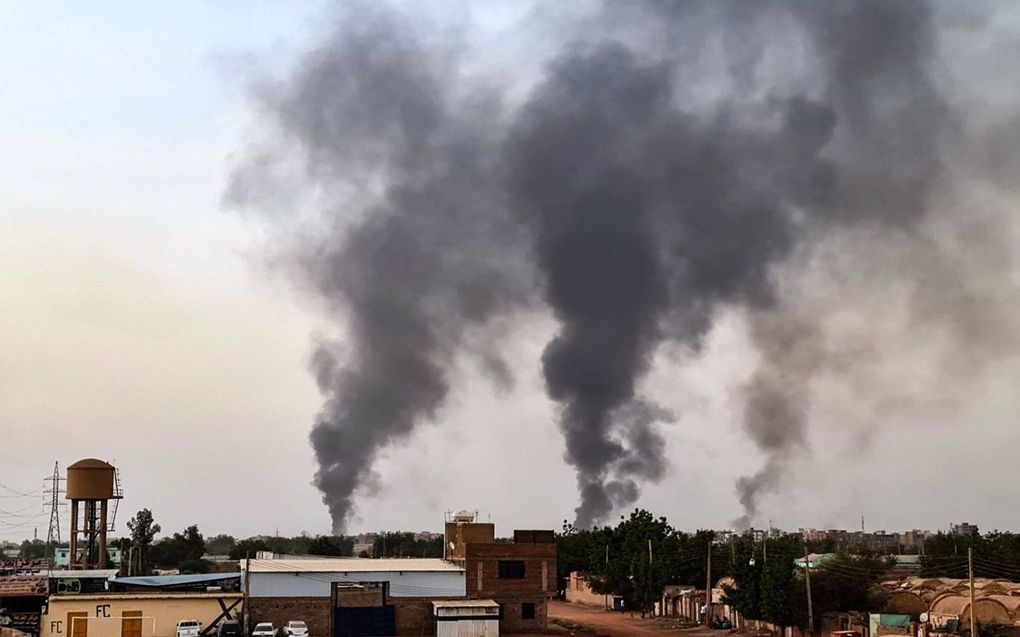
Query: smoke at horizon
{"type": "Point", "coordinates": [667, 160]}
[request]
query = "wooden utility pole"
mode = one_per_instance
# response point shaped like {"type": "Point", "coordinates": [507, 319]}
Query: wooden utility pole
{"type": "Point", "coordinates": [708, 584]}
{"type": "Point", "coordinates": [807, 586]}
{"type": "Point", "coordinates": [970, 575]}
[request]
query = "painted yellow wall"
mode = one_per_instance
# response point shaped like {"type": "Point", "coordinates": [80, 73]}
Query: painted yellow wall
{"type": "Point", "coordinates": [160, 612]}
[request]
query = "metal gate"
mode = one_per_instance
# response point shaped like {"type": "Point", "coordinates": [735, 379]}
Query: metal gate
{"type": "Point", "coordinates": [379, 621]}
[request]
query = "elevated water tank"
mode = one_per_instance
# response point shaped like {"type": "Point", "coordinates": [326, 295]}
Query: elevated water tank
{"type": "Point", "coordinates": [90, 479]}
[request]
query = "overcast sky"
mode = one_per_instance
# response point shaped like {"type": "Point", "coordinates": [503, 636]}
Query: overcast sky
{"type": "Point", "coordinates": [140, 323]}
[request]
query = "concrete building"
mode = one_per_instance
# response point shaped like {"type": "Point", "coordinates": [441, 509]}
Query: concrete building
{"type": "Point", "coordinates": [963, 528]}
{"type": "Point", "coordinates": [303, 589]}
{"type": "Point", "coordinates": [135, 615]}
{"type": "Point", "coordinates": [62, 556]}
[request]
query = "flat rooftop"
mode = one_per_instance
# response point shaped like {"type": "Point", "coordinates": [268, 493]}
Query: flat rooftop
{"type": "Point", "coordinates": [466, 603]}
{"type": "Point", "coordinates": [353, 565]}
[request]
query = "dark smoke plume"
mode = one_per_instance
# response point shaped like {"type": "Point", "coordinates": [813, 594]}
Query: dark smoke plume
{"type": "Point", "coordinates": [659, 168]}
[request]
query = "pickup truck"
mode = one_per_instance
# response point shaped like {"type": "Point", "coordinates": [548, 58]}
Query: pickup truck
{"type": "Point", "coordinates": [189, 628]}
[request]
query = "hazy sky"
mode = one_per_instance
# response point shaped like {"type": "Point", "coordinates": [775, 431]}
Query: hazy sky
{"type": "Point", "coordinates": [140, 323]}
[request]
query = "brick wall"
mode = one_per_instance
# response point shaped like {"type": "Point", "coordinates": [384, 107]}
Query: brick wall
{"type": "Point", "coordinates": [360, 597]}
{"type": "Point", "coordinates": [537, 585]}
{"type": "Point", "coordinates": [460, 534]}
{"type": "Point", "coordinates": [314, 611]}
{"type": "Point", "coordinates": [482, 570]}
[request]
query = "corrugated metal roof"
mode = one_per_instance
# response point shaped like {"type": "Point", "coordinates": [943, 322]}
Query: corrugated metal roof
{"type": "Point", "coordinates": [97, 573]}
{"type": "Point", "coordinates": [353, 565]}
{"type": "Point", "coordinates": [157, 581]}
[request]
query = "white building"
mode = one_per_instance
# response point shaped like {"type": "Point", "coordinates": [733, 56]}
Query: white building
{"type": "Point", "coordinates": [407, 577]}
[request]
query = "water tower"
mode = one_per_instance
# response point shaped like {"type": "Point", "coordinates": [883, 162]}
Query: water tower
{"type": "Point", "coordinates": [91, 484]}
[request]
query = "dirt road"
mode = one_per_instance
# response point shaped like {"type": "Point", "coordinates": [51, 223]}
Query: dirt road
{"type": "Point", "coordinates": [616, 624]}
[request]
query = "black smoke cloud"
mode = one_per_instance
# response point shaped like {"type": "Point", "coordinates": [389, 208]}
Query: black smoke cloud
{"type": "Point", "coordinates": [640, 185]}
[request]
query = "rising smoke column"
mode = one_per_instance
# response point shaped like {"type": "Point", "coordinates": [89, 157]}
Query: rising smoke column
{"type": "Point", "coordinates": [875, 58]}
{"type": "Point", "coordinates": [411, 254]}
{"type": "Point", "coordinates": [639, 188]}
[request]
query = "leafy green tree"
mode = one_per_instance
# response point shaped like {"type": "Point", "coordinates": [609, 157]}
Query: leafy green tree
{"type": "Point", "coordinates": [404, 544]}
{"type": "Point", "coordinates": [333, 545]}
{"type": "Point", "coordinates": [782, 599]}
{"type": "Point", "coordinates": [33, 550]}
{"type": "Point", "coordinates": [143, 530]}
{"type": "Point", "coordinates": [220, 544]}
{"type": "Point", "coordinates": [846, 583]}
{"type": "Point", "coordinates": [643, 554]}
{"type": "Point", "coordinates": [747, 567]}
{"type": "Point", "coordinates": [183, 551]}
{"type": "Point", "coordinates": [575, 551]}
{"type": "Point", "coordinates": [248, 548]}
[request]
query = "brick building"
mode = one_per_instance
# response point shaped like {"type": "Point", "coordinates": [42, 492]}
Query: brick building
{"type": "Point", "coordinates": [348, 596]}
{"type": "Point", "coordinates": [520, 575]}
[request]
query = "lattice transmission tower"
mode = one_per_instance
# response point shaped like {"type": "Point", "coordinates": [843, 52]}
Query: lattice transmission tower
{"type": "Point", "coordinates": [55, 491]}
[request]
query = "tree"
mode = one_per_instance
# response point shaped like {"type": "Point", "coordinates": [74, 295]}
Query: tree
{"type": "Point", "coordinates": [143, 530]}
{"type": "Point", "coordinates": [220, 544]}
{"type": "Point", "coordinates": [333, 545]}
{"type": "Point", "coordinates": [846, 583]}
{"type": "Point", "coordinates": [33, 549]}
{"type": "Point", "coordinates": [782, 599]}
{"type": "Point", "coordinates": [747, 567]}
{"type": "Point", "coordinates": [766, 585]}
{"type": "Point", "coordinates": [248, 548]}
{"type": "Point", "coordinates": [183, 551]}
{"type": "Point", "coordinates": [644, 554]}
{"type": "Point", "coordinates": [404, 544]}
{"type": "Point", "coordinates": [575, 551]}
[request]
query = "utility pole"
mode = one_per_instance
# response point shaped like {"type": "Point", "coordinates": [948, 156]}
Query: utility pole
{"type": "Point", "coordinates": [247, 583]}
{"type": "Point", "coordinates": [606, 596]}
{"type": "Point", "coordinates": [970, 575]}
{"type": "Point", "coordinates": [649, 550]}
{"type": "Point", "coordinates": [708, 584]}
{"type": "Point", "coordinates": [807, 582]}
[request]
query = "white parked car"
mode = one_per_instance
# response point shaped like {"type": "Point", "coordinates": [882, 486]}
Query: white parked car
{"type": "Point", "coordinates": [265, 629]}
{"type": "Point", "coordinates": [189, 628]}
{"type": "Point", "coordinates": [295, 629]}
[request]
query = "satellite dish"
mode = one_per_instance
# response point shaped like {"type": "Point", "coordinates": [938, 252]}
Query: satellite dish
{"type": "Point", "coordinates": [924, 617]}
{"type": "Point", "coordinates": [452, 546]}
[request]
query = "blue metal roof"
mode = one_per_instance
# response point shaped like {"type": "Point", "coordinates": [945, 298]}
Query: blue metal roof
{"type": "Point", "coordinates": [157, 581]}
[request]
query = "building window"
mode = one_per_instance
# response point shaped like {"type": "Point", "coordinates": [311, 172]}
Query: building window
{"type": "Point", "coordinates": [527, 611]}
{"type": "Point", "coordinates": [511, 569]}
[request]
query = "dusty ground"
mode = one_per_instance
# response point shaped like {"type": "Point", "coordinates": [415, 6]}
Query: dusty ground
{"type": "Point", "coordinates": [567, 619]}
